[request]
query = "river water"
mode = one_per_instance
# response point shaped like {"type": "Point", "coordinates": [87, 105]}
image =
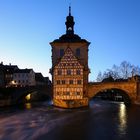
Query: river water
{"type": "Point", "coordinates": [102, 120]}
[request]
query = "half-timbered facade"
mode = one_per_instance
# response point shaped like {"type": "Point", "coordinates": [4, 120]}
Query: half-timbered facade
{"type": "Point", "coordinates": [68, 78]}
{"type": "Point", "coordinates": [70, 68]}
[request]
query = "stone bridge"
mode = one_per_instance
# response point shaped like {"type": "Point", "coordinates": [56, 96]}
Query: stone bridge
{"type": "Point", "coordinates": [131, 88]}
{"type": "Point", "coordinates": [17, 94]}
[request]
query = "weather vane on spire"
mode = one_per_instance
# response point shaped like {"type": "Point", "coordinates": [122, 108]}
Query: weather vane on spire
{"type": "Point", "coordinates": [70, 10]}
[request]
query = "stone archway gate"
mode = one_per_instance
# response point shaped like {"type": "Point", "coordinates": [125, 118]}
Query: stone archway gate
{"type": "Point", "coordinates": [132, 88]}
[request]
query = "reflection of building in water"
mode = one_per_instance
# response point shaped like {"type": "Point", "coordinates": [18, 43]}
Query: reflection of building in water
{"type": "Point", "coordinates": [28, 106]}
{"type": "Point", "coordinates": [122, 118]}
{"type": "Point", "coordinates": [70, 68]}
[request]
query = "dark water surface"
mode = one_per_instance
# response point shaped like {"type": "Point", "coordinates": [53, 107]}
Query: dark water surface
{"type": "Point", "coordinates": [41, 121]}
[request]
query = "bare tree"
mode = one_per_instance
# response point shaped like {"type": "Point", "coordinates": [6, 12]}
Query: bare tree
{"type": "Point", "coordinates": [116, 72]}
{"type": "Point", "coordinates": [124, 71]}
{"type": "Point", "coordinates": [136, 70]}
{"type": "Point", "coordinates": [99, 77]}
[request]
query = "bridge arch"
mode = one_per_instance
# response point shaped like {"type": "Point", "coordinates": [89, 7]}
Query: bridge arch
{"type": "Point", "coordinates": [114, 94]}
{"type": "Point", "coordinates": [128, 88]}
{"type": "Point", "coordinates": [33, 95]}
{"type": "Point", "coordinates": [18, 95]}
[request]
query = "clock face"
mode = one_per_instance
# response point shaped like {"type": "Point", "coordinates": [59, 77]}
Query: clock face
{"type": "Point", "coordinates": [69, 28]}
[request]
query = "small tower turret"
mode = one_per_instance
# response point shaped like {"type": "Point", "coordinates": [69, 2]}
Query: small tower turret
{"type": "Point", "coordinates": [70, 23]}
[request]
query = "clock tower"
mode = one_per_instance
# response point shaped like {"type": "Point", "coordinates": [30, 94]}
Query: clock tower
{"type": "Point", "coordinates": [70, 68]}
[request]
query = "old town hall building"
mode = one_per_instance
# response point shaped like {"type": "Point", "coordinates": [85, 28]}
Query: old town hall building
{"type": "Point", "coordinates": [70, 68]}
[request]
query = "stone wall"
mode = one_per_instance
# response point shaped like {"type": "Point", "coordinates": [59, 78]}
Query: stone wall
{"type": "Point", "coordinates": [71, 103]}
{"type": "Point", "coordinates": [130, 88]}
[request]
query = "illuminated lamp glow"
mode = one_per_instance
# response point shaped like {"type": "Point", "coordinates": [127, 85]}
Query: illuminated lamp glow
{"type": "Point", "coordinates": [28, 97]}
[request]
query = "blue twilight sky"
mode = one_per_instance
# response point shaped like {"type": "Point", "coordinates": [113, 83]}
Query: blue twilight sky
{"type": "Point", "coordinates": [27, 27]}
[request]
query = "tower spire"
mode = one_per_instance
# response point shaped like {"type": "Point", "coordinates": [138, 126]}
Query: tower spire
{"type": "Point", "coordinates": [69, 23]}
{"type": "Point", "coordinates": [69, 10]}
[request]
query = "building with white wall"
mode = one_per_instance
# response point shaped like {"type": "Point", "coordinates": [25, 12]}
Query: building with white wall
{"type": "Point", "coordinates": [23, 77]}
